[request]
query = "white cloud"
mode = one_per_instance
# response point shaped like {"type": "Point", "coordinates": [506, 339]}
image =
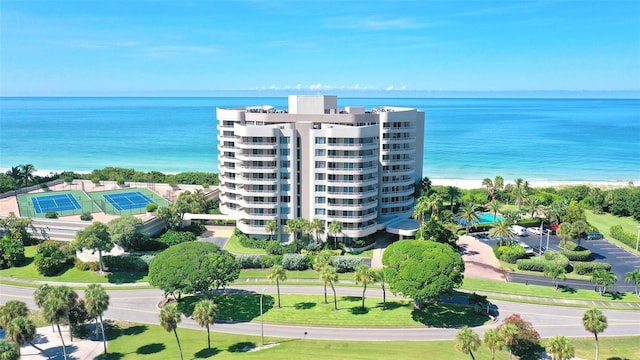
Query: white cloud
{"type": "Point", "coordinates": [373, 23]}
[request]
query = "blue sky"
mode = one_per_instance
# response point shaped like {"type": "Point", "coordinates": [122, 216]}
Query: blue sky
{"type": "Point", "coordinates": [138, 47]}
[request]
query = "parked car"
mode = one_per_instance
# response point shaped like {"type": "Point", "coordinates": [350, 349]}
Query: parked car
{"type": "Point", "coordinates": [518, 230]}
{"type": "Point", "coordinates": [534, 230]}
{"type": "Point", "coordinates": [595, 236]}
{"type": "Point", "coordinates": [527, 249]}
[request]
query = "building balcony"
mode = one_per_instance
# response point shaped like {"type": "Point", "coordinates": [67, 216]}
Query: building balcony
{"type": "Point", "coordinates": [352, 207]}
{"type": "Point", "coordinates": [398, 129]}
{"type": "Point", "coordinates": [400, 172]}
{"type": "Point", "coordinates": [257, 181]}
{"type": "Point", "coordinates": [408, 202]}
{"type": "Point", "coordinates": [406, 161]}
{"type": "Point", "coordinates": [407, 192]}
{"type": "Point", "coordinates": [253, 145]}
{"type": "Point", "coordinates": [251, 229]}
{"type": "Point", "coordinates": [257, 157]}
{"type": "Point", "coordinates": [351, 147]}
{"type": "Point", "coordinates": [360, 232]}
{"type": "Point", "coordinates": [404, 139]}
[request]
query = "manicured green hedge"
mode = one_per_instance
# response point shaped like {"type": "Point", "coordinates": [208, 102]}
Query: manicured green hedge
{"type": "Point", "coordinates": [585, 268]}
{"type": "Point", "coordinates": [618, 233]}
{"type": "Point", "coordinates": [539, 263]}
{"type": "Point", "coordinates": [249, 261]}
{"type": "Point", "coordinates": [252, 243]}
{"type": "Point", "coordinates": [569, 245]}
{"type": "Point", "coordinates": [88, 265]}
{"type": "Point", "coordinates": [345, 264]}
{"type": "Point", "coordinates": [126, 263]}
{"type": "Point", "coordinates": [510, 253]}
{"type": "Point", "coordinates": [174, 237]}
{"type": "Point", "coordinates": [575, 255]}
{"type": "Point", "coordinates": [295, 261]}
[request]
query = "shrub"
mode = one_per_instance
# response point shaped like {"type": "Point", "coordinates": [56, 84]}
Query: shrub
{"type": "Point", "coordinates": [95, 180]}
{"type": "Point", "coordinates": [151, 207]}
{"type": "Point", "coordinates": [585, 268]}
{"type": "Point", "coordinates": [314, 245]}
{"type": "Point", "coordinates": [51, 215]}
{"type": "Point", "coordinates": [570, 245]}
{"type": "Point", "coordinates": [174, 237]}
{"type": "Point", "coordinates": [295, 261]}
{"type": "Point", "coordinates": [44, 186]}
{"type": "Point", "coordinates": [529, 222]}
{"type": "Point", "coordinates": [539, 263]}
{"type": "Point", "coordinates": [148, 244]}
{"type": "Point", "coordinates": [618, 233]}
{"type": "Point", "coordinates": [86, 216]}
{"type": "Point", "coordinates": [347, 263]}
{"type": "Point", "coordinates": [252, 243]}
{"type": "Point", "coordinates": [85, 266]}
{"type": "Point", "coordinates": [125, 263]}
{"type": "Point", "coordinates": [512, 253]}
{"type": "Point", "coordinates": [249, 261]}
{"type": "Point", "coordinates": [11, 252]}
{"type": "Point", "coordinates": [581, 255]}
{"type": "Point", "coordinates": [50, 258]}
{"type": "Point", "coordinates": [68, 178]}
{"type": "Point", "coordinates": [205, 185]}
{"type": "Point", "coordinates": [120, 181]}
{"type": "Point", "coordinates": [269, 261]}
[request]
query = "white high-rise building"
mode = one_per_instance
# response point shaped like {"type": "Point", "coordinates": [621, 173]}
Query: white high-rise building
{"type": "Point", "coordinates": [317, 161]}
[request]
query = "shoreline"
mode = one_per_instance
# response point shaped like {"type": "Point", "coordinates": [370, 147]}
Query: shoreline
{"type": "Point", "coordinates": [466, 184]}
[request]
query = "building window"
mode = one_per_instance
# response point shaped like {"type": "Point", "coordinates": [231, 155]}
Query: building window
{"type": "Point", "coordinates": [320, 199]}
{"type": "Point", "coordinates": [285, 139]}
{"type": "Point", "coordinates": [285, 164]}
{"type": "Point", "coordinates": [285, 199]}
{"type": "Point", "coordinates": [320, 188]}
{"type": "Point", "coordinates": [320, 211]}
{"type": "Point", "coordinates": [284, 152]}
{"type": "Point", "coordinates": [320, 140]}
{"type": "Point", "coordinates": [320, 176]}
{"type": "Point", "coordinates": [285, 175]}
{"type": "Point", "coordinates": [321, 164]}
{"type": "Point", "coordinates": [320, 152]}
{"type": "Point", "coordinates": [285, 187]}
{"type": "Point", "coordinates": [285, 210]}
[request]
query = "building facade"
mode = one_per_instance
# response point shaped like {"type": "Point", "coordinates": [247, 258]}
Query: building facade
{"type": "Point", "coordinates": [317, 161]}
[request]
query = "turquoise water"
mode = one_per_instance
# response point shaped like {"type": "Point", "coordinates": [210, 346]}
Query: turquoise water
{"type": "Point", "coordinates": [488, 217]}
{"type": "Point", "coordinates": [536, 139]}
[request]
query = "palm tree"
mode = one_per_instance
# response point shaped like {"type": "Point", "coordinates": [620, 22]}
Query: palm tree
{"type": "Point", "coordinates": [22, 330]}
{"type": "Point", "coordinates": [565, 231]}
{"type": "Point", "coordinates": [70, 299]}
{"type": "Point", "coordinates": [633, 277]}
{"type": "Point", "coordinates": [55, 311]}
{"type": "Point", "coordinates": [9, 350]}
{"type": "Point", "coordinates": [495, 206]}
{"type": "Point", "coordinates": [329, 275]}
{"type": "Point", "coordinates": [556, 272]}
{"type": "Point", "coordinates": [205, 313]}
{"type": "Point", "coordinates": [603, 279]}
{"type": "Point", "coordinates": [335, 228]}
{"type": "Point", "coordinates": [579, 230]}
{"type": "Point", "coordinates": [317, 227]}
{"type": "Point", "coordinates": [520, 192]}
{"type": "Point", "coordinates": [271, 226]}
{"type": "Point", "coordinates": [486, 182]}
{"type": "Point", "coordinates": [11, 310]}
{"type": "Point", "coordinates": [40, 296]}
{"type": "Point", "coordinates": [420, 209]}
{"type": "Point", "coordinates": [381, 279]}
{"type": "Point", "coordinates": [501, 232]}
{"type": "Point", "coordinates": [96, 302]}
{"type": "Point", "coordinates": [364, 275]}
{"type": "Point", "coordinates": [278, 273]}
{"type": "Point", "coordinates": [594, 322]}
{"type": "Point", "coordinates": [454, 194]}
{"type": "Point", "coordinates": [509, 333]}
{"type": "Point", "coordinates": [434, 203]}
{"type": "Point", "coordinates": [493, 340]}
{"type": "Point", "coordinates": [467, 341]}
{"type": "Point", "coordinates": [322, 260]}
{"type": "Point", "coordinates": [26, 173]}
{"type": "Point", "coordinates": [561, 348]}
{"type": "Point", "coordinates": [469, 216]}
{"type": "Point", "coordinates": [510, 216]}
{"type": "Point", "coordinates": [169, 319]}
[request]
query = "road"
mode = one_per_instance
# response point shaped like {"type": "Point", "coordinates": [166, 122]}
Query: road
{"type": "Point", "coordinates": [140, 306]}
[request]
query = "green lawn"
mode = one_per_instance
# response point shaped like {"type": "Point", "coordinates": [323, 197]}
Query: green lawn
{"type": "Point", "coordinates": [291, 274]}
{"type": "Point", "coordinates": [310, 309]}
{"type": "Point", "coordinates": [141, 341]}
{"type": "Point", "coordinates": [542, 291]}
{"type": "Point", "coordinates": [365, 254]}
{"type": "Point", "coordinates": [604, 222]}
{"type": "Point", "coordinates": [233, 246]}
{"type": "Point", "coordinates": [514, 268]}
{"type": "Point", "coordinates": [28, 272]}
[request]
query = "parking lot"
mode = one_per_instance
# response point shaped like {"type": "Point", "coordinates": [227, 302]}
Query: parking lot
{"type": "Point", "coordinates": [621, 260]}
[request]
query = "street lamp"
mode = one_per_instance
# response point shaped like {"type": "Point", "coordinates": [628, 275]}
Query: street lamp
{"type": "Point", "coordinates": [638, 239]}
{"type": "Point", "coordinates": [261, 318]}
{"type": "Point", "coordinates": [548, 232]}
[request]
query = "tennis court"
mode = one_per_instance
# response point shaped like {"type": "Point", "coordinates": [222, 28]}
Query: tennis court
{"type": "Point", "coordinates": [55, 203]}
{"type": "Point", "coordinates": [128, 201]}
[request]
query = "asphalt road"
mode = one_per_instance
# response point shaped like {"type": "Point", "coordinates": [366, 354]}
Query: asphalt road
{"type": "Point", "coordinates": [141, 306]}
{"type": "Point", "coordinates": [621, 260]}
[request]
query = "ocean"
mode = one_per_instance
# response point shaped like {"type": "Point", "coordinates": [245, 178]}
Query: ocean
{"type": "Point", "coordinates": [535, 139]}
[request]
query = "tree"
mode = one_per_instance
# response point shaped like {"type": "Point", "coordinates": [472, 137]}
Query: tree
{"type": "Point", "coordinates": [603, 279]}
{"type": "Point", "coordinates": [579, 230]}
{"type": "Point", "coordinates": [96, 302]}
{"type": "Point", "coordinates": [335, 228]}
{"type": "Point", "coordinates": [525, 341]}
{"type": "Point", "coordinates": [556, 272]}
{"type": "Point", "coordinates": [467, 341]}
{"type": "Point", "coordinates": [434, 230]}
{"type": "Point", "coordinates": [565, 231]}
{"type": "Point", "coordinates": [70, 299]}
{"type": "Point", "coordinates": [169, 318]}
{"type": "Point", "coordinates": [205, 313]}
{"type": "Point", "coordinates": [494, 207]}
{"type": "Point", "coordinates": [9, 350]}
{"type": "Point", "coordinates": [486, 182]}
{"type": "Point", "coordinates": [520, 192]}
{"type": "Point", "coordinates": [171, 217]}
{"type": "Point", "coordinates": [55, 311]}
{"type": "Point", "coordinates": [329, 275]}
{"type": "Point", "coordinates": [190, 202]}
{"type": "Point", "coordinates": [277, 274]}
{"type": "Point", "coordinates": [11, 252]}
{"type": "Point", "coordinates": [594, 322]}
{"type": "Point", "coordinates": [422, 270]}
{"type": "Point", "coordinates": [423, 187]}
{"type": "Point", "coordinates": [10, 310]}
{"type": "Point", "coordinates": [193, 266]}
{"type": "Point", "coordinates": [561, 348]}
{"type": "Point", "coordinates": [296, 226]}
{"type": "Point", "coordinates": [468, 215]}
{"type": "Point", "coordinates": [509, 333]}
{"type": "Point", "coordinates": [317, 227]}
{"type": "Point", "coordinates": [494, 341]}
{"type": "Point", "coordinates": [125, 231]}
{"type": "Point", "coordinates": [501, 232]}
{"type": "Point", "coordinates": [322, 260]}
{"type": "Point", "coordinates": [381, 279]}
{"type": "Point", "coordinates": [95, 237]}
{"type": "Point", "coordinates": [50, 259]}
{"type": "Point", "coordinates": [22, 331]}
{"type": "Point", "coordinates": [421, 209]}
{"type": "Point", "coordinates": [633, 277]}
{"type": "Point", "coordinates": [454, 194]}
{"type": "Point", "coordinates": [271, 226]}
{"type": "Point", "coordinates": [364, 275]}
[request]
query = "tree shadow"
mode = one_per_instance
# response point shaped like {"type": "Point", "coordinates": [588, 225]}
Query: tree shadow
{"type": "Point", "coordinates": [188, 303]}
{"type": "Point", "coordinates": [391, 305]}
{"type": "Point", "coordinates": [150, 349]}
{"type": "Point", "coordinates": [304, 305]}
{"type": "Point", "coordinates": [358, 310]}
{"type": "Point", "coordinates": [205, 353]}
{"type": "Point", "coordinates": [57, 353]}
{"type": "Point", "coordinates": [617, 358]}
{"type": "Point", "coordinates": [112, 356]}
{"type": "Point", "coordinates": [114, 331]}
{"type": "Point", "coordinates": [242, 307]}
{"type": "Point", "coordinates": [351, 298]}
{"type": "Point", "coordinates": [125, 277]}
{"type": "Point", "coordinates": [447, 316]}
{"type": "Point", "coordinates": [567, 289]}
{"type": "Point", "coordinates": [241, 347]}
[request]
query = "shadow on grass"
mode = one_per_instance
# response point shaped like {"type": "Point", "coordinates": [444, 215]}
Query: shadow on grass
{"type": "Point", "coordinates": [188, 303]}
{"type": "Point", "coordinates": [112, 356]}
{"type": "Point", "coordinates": [125, 277]}
{"type": "Point", "coordinates": [304, 305]}
{"type": "Point", "coordinates": [566, 289]}
{"type": "Point", "coordinates": [447, 316]}
{"type": "Point", "coordinates": [27, 261]}
{"type": "Point", "coordinates": [205, 353]}
{"type": "Point", "coordinates": [358, 310]}
{"type": "Point", "coordinates": [241, 347]}
{"type": "Point", "coordinates": [617, 358]}
{"type": "Point", "coordinates": [150, 349]}
{"type": "Point", "coordinates": [242, 307]}
{"type": "Point", "coordinates": [391, 305]}
{"type": "Point", "coordinates": [114, 331]}
{"type": "Point", "coordinates": [350, 298]}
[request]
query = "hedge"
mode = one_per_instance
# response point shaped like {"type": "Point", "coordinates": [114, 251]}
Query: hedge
{"type": "Point", "coordinates": [585, 268]}
{"type": "Point", "coordinates": [88, 265]}
{"type": "Point", "coordinates": [570, 245]}
{"type": "Point", "coordinates": [295, 261]}
{"type": "Point", "coordinates": [345, 264]}
{"type": "Point", "coordinates": [127, 263]}
{"type": "Point", "coordinates": [578, 255]}
{"type": "Point", "coordinates": [252, 243]}
{"type": "Point", "coordinates": [173, 237]}
{"type": "Point", "coordinates": [509, 253]}
{"type": "Point", "coordinates": [249, 261]}
{"type": "Point", "coordinates": [539, 263]}
{"type": "Point", "coordinates": [618, 233]}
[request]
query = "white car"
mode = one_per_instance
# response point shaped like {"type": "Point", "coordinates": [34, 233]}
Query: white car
{"type": "Point", "coordinates": [527, 248]}
{"type": "Point", "coordinates": [534, 230]}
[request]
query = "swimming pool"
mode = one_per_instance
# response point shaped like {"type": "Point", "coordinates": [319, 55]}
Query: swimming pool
{"type": "Point", "coordinates": [484, 218]}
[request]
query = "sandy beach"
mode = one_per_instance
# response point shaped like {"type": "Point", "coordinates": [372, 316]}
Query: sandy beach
{"type": "Point", "coordinates": [477, 183]}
